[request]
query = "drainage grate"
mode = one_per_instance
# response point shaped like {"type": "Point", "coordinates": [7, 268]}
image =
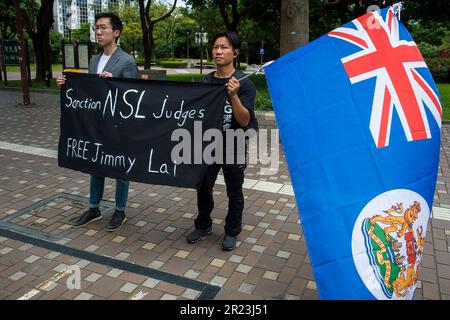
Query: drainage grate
{"type": "Point", "coordinates": [48, 219]}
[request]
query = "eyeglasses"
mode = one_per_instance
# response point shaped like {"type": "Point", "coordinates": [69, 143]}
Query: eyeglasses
{"type": "Point", "coordinates": [102, 27]}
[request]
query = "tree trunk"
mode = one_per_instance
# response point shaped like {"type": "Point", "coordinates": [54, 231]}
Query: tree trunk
{"type": "Point", "coordinates": [44, 23]}
{"type": "Point", "coordinates": [147, 44]}
{"type": "Point", "coordinates": [149, 53]}
{"type": "Point", "coordinates": [41, 45]}
{"type": "Point", "coordinates": [40, 37]}
{"type": "Point", "coordinates": [235, 14]}
{"type": "Point", "coordinates": [147, 26]}
{"type": "Point", "coordinates": [294, 24]}
{"type": "Point", "coordinates": [145, 35]}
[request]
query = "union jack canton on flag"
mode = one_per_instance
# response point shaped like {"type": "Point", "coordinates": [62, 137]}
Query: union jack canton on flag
{"type": "Point", "coordinates": [359, 118]}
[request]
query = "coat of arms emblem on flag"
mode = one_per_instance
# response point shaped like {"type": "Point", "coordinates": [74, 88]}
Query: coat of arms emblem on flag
{"type": "Point", "coordinates": [393, 240]}
{"type": "Point", "coordinates": [359, 118]}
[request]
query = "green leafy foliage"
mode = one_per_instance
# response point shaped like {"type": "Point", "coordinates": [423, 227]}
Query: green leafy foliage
{"type": "Point", "coordinates": [172, 64]}
{"type": "Point", "coordinates": [439, 68]}
{"type": "Point", "coordinates": [55, 45]}
{"type": "Point", "coordinates": [82, 34]}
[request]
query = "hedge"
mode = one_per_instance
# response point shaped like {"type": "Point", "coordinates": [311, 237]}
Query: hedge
{"type": "Point", "coordinates": [439, 68]}
{"type": "Point", "coordinates": [173, 64]}
{"type": "Point", "coordinates": [140, 61]}
{"type": "Point", "coordinates": [262, 101]}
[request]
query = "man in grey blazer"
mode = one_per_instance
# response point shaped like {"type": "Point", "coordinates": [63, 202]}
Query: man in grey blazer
{"type": "Point", "coordinates": [111, 62]}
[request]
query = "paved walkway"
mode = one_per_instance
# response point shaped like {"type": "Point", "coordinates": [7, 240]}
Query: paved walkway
{"type": "Point", "coordinates": [148, 258]}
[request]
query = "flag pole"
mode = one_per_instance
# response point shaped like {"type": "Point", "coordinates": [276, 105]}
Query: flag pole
{"type": "Point", "coordinates": [265, 65]}
{"type": "Point", "coordinates": [397, 9]}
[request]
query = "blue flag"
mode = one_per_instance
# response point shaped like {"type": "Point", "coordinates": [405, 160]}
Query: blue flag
{"type": "Point", "coordinates": [359, 118]}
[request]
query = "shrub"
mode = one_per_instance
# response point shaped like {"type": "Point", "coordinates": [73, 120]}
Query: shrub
{"type": "Point", "coordinates": [259, 80]}
{"type": "Point", "coordinates": [445, 53]}
{"type": "Point", "coordinates": [432, 32]}
{"type": "Point", "coordinates": [439, 68]}
{"type": "Point", "coordinates": [140, 61]}
{"type": "Point", "coordinates": [242, 66]}
{"type": "Point", "coordinates": [429, 50]}
{"type": "Point", "coordinates": [262, 101]}
{"type": "Point", "coordinates": [186, 77]}
{"type": "Point", "coordinates": [173, 64]}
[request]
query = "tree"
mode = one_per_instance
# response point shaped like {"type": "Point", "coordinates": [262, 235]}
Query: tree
{"type": "Point", "coordinates": [208, 18]}
{"type": "Point", "coordinates": [260, 29]}
{"type": "Point", "coordinates": [426, 10]}
{"type": "Point", "coordinates": [147, 25]}
{"type": "Point", "coordinates": [7, 20]}
{"type": "Point", "coordinates": [326, 15]}
{"type": "Point", "coordinates": [294, 24]}
{"type": "Point", "coordinates": [82, 34]}
{"type": "Point", "coordinates": [232, 11]}
{"type": "Point", "coordinates": [416, 10]}
{"type": "Point", "coordinates": [321, 19]}
{"type": "Point", "coordinates": [128, 12]}
{"type": "Point", "coordinates": [132, 33]}
{"type": "Point", "coordinates": [255, 24]}
{"type": "Point", "coordinates": [55, 43]}
{"type": "Point", "coordinates": [435, 33]}
{"type": "Point", "coordinates": [131, 37]}
{"type": "Point", "coordinates": [38, 27]}
{"type": "Point", "coordinates": [173, 32]}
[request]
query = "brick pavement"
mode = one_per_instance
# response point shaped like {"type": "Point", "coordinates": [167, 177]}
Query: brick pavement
{"type": "Point", "coordinates": [148, 258]}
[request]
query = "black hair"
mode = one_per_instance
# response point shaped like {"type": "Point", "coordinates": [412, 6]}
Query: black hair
{"type": "Point", "coordinates": [231, 36]}
{"type": "Point", "coordinates": [116, 23]}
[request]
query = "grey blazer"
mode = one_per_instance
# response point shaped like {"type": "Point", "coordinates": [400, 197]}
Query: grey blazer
{"type": "Point", "coordinates": [120, 64]}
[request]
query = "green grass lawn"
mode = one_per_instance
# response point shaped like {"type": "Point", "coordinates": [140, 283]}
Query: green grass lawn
{"type": "Point", "coordinates": [35, 85]}
{"type": "Point", "coordinates": [444, 91]}
{"type": "Point", "coordinates": [55, 67]}
{"type": "Point", "coordinates": [190, 77]}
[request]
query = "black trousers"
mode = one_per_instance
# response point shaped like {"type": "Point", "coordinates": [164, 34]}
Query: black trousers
{"type": "Point", "coordinates": [234, 179]}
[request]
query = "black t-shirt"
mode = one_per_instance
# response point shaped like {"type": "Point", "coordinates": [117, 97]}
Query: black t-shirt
{"type": "Point", "coordinates": [246, 94]}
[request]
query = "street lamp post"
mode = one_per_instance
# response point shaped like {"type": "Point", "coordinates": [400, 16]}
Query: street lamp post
{"type": "Point", "coordinates": [200, 37]}
{"type": "Point", "coordinates": [69, 25]}
{"type": "Point", "coordinates": [201, 50]}
{"type": "Point", "coordinates": [188, 38]}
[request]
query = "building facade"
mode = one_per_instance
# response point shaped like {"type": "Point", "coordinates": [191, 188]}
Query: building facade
{"type": "Point", "coordinates": [72, 13]}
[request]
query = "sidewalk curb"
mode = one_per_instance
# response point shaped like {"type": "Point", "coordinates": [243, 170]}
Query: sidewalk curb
{"type": "Point", "coordinates": [266, 119]}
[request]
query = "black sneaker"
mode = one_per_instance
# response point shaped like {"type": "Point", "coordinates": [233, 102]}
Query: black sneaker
{"type": "Point", "coordinates": [116, 221]}
{"type": "Point", "coordinates": [90, 215]}
{"type": "Point", "coordinates": [229, 243]}
{"type": "Point", "coordinates": [198, 234]}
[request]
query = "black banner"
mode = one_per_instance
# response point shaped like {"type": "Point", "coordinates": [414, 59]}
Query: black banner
{"type": "Point", "coordinates": [122, 128]}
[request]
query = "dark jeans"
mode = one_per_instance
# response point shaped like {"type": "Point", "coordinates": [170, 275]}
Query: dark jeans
{"type": "Point", "coordinates": [234, 178]}
{"type": "Point", "coordinates": [97, 187]}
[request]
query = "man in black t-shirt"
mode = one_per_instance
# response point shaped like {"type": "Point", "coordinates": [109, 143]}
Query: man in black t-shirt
{"type": "Point", "coordinates": [238, 114]}
{"type": "Point", "coordinates": [246, 94]}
